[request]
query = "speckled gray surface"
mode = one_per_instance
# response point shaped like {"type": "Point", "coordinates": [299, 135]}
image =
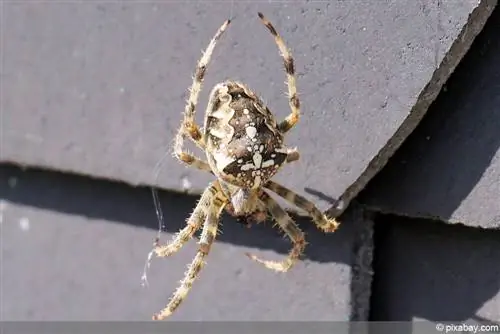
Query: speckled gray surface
{"type": "Point", "coordinates": [74, 248]}
{"type": "Point", "coordinates": [98, 88]}
{"type": "Point", "coordinates": [432, 271]}
{"type": "Point", "coordinates": [449, 168]}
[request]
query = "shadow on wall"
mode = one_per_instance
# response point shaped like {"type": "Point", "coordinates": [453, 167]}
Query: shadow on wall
{"type": "Point", "coordinates": [442, 161]}
{"type": "Point", "coordinates": [434, 271]}
{"type": "Point", "coordinates": [123, 204]}
{"type": "Point", "coordinates": [426, 269]}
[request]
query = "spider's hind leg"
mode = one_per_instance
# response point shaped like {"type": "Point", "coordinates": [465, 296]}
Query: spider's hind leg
{"type": "Point", "coordinates": [189, 128]}
{"type": "Point", "coordinates": [288, 61]}
{"type": "Point", "coordinates": [187, 157]}
{"type": "Point", "coordinates": [291, 229]}
{"type": "Point", "coordinates": [322, 221]}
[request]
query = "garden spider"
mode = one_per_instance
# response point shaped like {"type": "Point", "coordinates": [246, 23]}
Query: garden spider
{"type": "Point", "coordinates": [244, 149]}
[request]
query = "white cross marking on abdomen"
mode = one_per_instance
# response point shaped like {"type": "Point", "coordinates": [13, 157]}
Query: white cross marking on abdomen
{"type": "Point", "coordinates": [257, 163]}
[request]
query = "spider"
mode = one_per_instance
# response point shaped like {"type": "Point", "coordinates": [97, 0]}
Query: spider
{"type": "Point", "coordinates": [244, 148]}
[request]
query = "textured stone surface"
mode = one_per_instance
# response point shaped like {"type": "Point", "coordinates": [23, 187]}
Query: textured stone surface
{"type": "Point", "coordinates": [98, 88]}
{"type": "Point", "coordinates": [449, 167]}
{"type": "Point", "coordinates": [74, 249]}
{"type": "Point", "coordinates": [431, 271]}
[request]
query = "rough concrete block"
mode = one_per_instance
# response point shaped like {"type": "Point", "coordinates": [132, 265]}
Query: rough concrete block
{"type": "Point", "coordinates": [431, 271]}
{"type": "Point", "coordinates": [68, 240]}
{"type": "Point", "coordinates": [98, 88]}
{"type": "Point", "coordinates": [449, 167]}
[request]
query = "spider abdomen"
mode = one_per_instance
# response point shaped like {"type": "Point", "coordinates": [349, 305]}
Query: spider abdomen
{"type": "Point", "coordinates": [244, 143]}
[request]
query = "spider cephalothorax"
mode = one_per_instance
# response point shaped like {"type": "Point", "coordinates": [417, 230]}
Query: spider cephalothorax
{"type": "Point", "coordinates": [244, 146]}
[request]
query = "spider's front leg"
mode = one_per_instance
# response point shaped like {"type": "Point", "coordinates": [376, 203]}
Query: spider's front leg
{"type": "Point", "coordinates": [322, 221]}
{"type": "Point", "coordinates": [291, 229]}
{"type": "Point", "coordinates": [206, 240]}
{"type": "Point", "coordinates": [189, 128]}
{"type": "Point", "coordinates": [193, 224]}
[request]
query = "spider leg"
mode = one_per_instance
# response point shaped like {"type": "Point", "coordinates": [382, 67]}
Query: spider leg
{"type": "Point", "coordinates": [292, 155]}
{"type": "Point", "coordinates": [293, 99]}
{"type": "Point", "coordinates": [323, 222]}
{"type": "Point", "coordinates": [206, 240]}
{"type": "Point", "coordinates": [189, 127]}
{"type": "Point", "coordinates": [186, 157]}
{"type": "Point", "coordinates": [291, 229]}
{"type": "Point", "coordinates": [193, 224]}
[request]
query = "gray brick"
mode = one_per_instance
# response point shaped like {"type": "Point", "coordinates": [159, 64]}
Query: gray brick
{"type": "Point", "coordinates": [432, 271]}
{"type": "Point", "coordinates": [82, 255]}
{"type": "Point", "coordinates": [449, 168]}
{"type": "Point", "coordinates": [98, 88]}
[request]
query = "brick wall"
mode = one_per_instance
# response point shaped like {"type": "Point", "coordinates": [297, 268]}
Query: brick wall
{"type": "Point", "coordinates": [92, 95]}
